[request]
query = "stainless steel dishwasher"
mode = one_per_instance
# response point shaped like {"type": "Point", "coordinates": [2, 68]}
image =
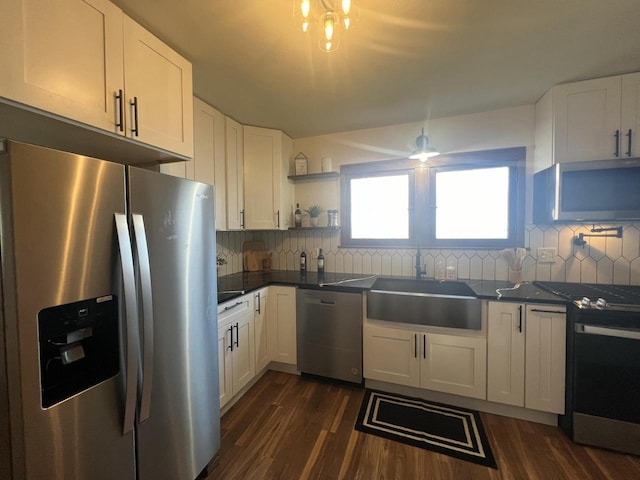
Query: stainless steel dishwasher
{"type": "Point", "coordinates": [329, 334]}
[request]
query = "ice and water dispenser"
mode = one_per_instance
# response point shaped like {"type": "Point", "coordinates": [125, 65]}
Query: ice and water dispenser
{"type": "Point", "coordinates": [79, 347]}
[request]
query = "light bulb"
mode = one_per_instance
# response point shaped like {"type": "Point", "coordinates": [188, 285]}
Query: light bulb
{"type": "Point", "coordinates": [347, 22]}
{"type": "Point", "coordinates": [305, 26]}
{"type": "Point", "coordinates": [346, 7]}
{"type": "Point", "coordinates": [305, 8]}
{"type": "Point", "coordinates": [328, 27]}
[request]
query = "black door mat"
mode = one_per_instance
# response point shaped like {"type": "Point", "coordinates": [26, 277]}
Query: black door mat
{"type": "Point", "coordinates": [453, 431]}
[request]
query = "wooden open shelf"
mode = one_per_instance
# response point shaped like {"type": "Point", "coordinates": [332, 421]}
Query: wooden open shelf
{"type": "Point", "coordinates": [314, 176]}
{"type": "Point", "coordinates": [314, 228]}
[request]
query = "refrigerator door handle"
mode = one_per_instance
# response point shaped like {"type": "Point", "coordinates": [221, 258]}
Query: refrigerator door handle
{"type": "Point", "coordinates": [142, 254]}
{"type": "Point", "coordinates": [131, 322]}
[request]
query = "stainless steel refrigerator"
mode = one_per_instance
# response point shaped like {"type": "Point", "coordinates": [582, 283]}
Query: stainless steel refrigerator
{"type": "Point", "coordinates": [108, 335]}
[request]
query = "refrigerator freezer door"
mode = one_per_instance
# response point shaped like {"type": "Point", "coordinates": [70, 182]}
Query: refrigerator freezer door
{"type": "Point", "coordinates": [182, 433]}
{"type": "Point", "coordinates": [58, 240]}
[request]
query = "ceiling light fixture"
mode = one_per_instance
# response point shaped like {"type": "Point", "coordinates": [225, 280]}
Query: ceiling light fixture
{"type": "Point", "coordinates": [332, 21]}
{"type": "Point", "coordinates": [423, 149]}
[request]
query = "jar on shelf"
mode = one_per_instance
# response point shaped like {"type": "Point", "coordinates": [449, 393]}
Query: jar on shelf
{"type": "Point", "coordinates": [332, 218]}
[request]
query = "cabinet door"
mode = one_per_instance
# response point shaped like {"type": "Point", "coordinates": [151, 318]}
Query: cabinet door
{"type": "Point", "coordinates": [260, 331]}
{"type": "Point", "coordinates": [631, 115]}
{"type": "Point", "coordinates": [545, 359]}
{"type": "Point", "coordinates": [391, 355]}
{"type": "Point", "coordinates": [283, 187]}
{"type": "Point", "coordinates": [587, 116]}
{"type": "Point", "coordinates": [225, 367]}
{"type": "Point", "coordinates": [261, 147]}
{"type": "Point", "coordinates": [208, 163]}
{"type": "Point", "coordinates": [159, 81]}
{"type": "Point", "coordinates": [177, 169]}
{"type": "Point", "coordinates": [505, 353]}
{"type": "Point", "coordinates": [234, 163]}
{"type": "Point", "coordinates": [454, 364]}
{"type": "Point", "coordinates": [64, 57]}
{"type": "Point", "coordinates": [244, 362]}
{"type": "Point", "coordinates": [281, 315]}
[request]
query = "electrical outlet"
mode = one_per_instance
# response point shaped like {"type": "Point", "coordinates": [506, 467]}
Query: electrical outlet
{"type": "Point", "coordinates": [546, 255]}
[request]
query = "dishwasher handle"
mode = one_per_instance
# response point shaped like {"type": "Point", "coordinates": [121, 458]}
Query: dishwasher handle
{"type": "Point", "coordinates": [319, 301]}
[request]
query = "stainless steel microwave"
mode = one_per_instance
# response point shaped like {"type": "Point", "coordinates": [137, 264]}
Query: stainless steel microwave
{"type": "Point", "coordinates": [598, 191]}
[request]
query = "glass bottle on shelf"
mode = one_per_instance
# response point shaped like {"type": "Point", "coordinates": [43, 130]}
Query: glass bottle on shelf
{"type": "Point", "coordinates": [298, 216]}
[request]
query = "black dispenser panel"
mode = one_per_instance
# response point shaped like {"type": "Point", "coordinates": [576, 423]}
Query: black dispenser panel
{"type": "Point", "coordinates": [79, 347]}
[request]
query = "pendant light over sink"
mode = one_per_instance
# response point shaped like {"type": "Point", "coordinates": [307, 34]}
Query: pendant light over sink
{"type": "Point", "coordinates": [334, 17]}
{"type": "Point", "coordinates": [423, 150]}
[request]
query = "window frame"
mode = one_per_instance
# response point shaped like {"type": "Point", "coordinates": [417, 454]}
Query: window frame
{"type": "Point", "coordinates": [370, 170]}
{"type": "Point", "coordinates": [422, 194]}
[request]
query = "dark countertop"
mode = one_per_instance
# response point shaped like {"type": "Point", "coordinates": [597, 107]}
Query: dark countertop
{"type": "Point", "coordinates": [231, 286]}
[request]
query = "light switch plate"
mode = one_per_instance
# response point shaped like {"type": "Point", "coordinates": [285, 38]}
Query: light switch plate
{"type": "Point", "coordinates": [546, 255]}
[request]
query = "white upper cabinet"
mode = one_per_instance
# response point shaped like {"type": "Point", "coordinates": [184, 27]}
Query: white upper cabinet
{"type": "Point", "coordinates": [88, 64]}
{"type": "Point", "coordinates": [591, 120]}
{"type": "Point", "coordinates": [631, 115]}
{"type": "Point", "coordinates": [158, 92]}
{"type": "Point", "coordinates": [268, 191]}
{"type": "Point", "coordinates": [209, 154]}
{"type": "Point", "coordinates": [234, 164]}
{"type": "Point", "coordinates": [63, 57]}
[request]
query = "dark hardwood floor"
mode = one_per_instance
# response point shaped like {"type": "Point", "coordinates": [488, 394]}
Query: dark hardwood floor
{"type": "Point", "coordinates": [288, 427]}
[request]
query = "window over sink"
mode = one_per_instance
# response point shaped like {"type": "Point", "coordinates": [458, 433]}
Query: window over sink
{"type": "Point", "coordinates": [462, 200]}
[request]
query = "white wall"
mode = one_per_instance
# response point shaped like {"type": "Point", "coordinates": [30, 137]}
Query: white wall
{"type": "Point", "coordinates": [506, 128]}
{"type": "Point", "coordinates": [603, 261]}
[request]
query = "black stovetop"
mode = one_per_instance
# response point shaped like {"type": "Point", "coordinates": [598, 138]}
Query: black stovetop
{"type": "Point", "coordinates": [614, 294]}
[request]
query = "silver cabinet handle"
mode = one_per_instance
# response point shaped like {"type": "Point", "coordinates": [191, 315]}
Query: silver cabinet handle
{"type": "Point", "coordinates": [541, 310]}
{"type": "Point", "coordinates": [142, 254]}
{"type": "Point", "coordinates": [231, 307]}
{"type": "Point", "coordinates": [424, 346]}
{"type": "Point", "coordinates": [616, 135]}
{"type": "Point", "coordinates": [237, 335]}
{"type": "Point", "coordinates": [628, 135]}
{"type": "Point", "coordinates": [258, 310]}
{"type": "Point", "coordinates": [242, 218]}
{"type": "Point", "coordinates": [230, 346]}
{"type": "Point", "coordinates": [415, 345]}
{"type": "Point", "coordinates": [278, 219]}
{"type": "Point", "coordinates": [132, 338]}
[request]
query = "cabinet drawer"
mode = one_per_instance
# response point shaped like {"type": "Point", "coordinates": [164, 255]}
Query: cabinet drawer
{"type": "Point", "coordinates": [230, 311]}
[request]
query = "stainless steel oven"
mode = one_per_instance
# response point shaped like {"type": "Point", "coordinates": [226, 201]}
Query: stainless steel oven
{"type": "Point", "coordinates": [602, 406]}
{"type": "Point", "coordinates": [606, 379]}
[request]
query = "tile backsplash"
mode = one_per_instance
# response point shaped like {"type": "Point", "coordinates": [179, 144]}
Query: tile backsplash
{"type": "Point", "coordinates": [604, 260]}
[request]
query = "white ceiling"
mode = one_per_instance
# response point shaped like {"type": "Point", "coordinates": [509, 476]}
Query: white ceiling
{"type": "Point", "coordinates": [404, 61]}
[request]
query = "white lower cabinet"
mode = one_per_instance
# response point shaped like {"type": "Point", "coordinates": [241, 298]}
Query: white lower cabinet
{"type": "Point", "coordinates": [440, 362]}
{"type": "Point", "coordinates": [236, 351]}
{"type": "Point", "coordinates": [454, 364]}
{"type": "Point", "coordinates": [390, 355]}
{"type": "Point", "coordinates": [526, 355]}
{"type": "Point", "coordinates": [281, 324]}
{"type": "Point", "coordinates": [260, 331]}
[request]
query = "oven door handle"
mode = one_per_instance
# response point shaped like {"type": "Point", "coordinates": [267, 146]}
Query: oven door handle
{"type": "Point", "coordinates": [609, 332]}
